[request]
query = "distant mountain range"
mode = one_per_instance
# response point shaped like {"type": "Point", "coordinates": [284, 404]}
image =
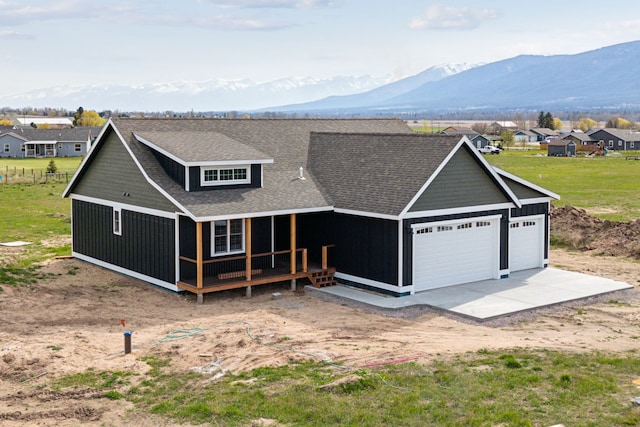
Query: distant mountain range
{"type": "Point", "coordinates": [602, 79]}
{"type": "Point", "coordinates": [215, 94]}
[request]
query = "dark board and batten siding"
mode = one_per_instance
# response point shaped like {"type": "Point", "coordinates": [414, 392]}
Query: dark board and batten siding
{"type": "Point", "coordinates": [146, 245]}
{"type": "Point", "coordinates": [174, 169]}
{"type": "Point", "coordinates": [112, 164]}
{"type": "Point", "coordinates": [194, 180]}
{"type": "Point", "coordinates": [408, 237]}
{"type": "Point", "coordinates": [366, 247]}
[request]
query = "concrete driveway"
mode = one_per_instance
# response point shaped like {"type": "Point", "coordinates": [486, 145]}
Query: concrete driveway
{"type": "Point", "coordinates": [488, 299]}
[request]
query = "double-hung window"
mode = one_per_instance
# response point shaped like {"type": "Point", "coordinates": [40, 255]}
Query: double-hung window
{"type": "Point", "coordinates": [225, 175]}
{"type": "Point", "coordinates": [227, 237]}
{"type": "Point", "coordinates": [117, 221]}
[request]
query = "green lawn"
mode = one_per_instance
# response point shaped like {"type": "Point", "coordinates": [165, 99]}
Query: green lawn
{"type": "Point", "coordinates": [487, 388]}
{"type": "Point", "coordinates": [608, 187]}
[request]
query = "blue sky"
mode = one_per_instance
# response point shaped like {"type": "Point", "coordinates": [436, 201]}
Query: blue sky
{"type": "Point", "coordinates": [76, 42]}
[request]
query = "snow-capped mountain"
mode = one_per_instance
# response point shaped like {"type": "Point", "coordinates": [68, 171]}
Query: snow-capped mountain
{"type": "Point", "coordinates": [219, 94]}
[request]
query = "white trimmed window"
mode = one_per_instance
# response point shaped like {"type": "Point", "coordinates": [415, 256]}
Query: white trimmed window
{"type": "Point", "coordinates": [225, 175]}
{"type": "Point", "coordinates": [6, 148]}
{"type": "Point", "coordinates": [77, 147]}
{"type": "Point", "coordinates": [117, 221]}
{"type": "Point", "coordinates": [227, 237]}
{"type": "Point", "coordinates": [60, 146]}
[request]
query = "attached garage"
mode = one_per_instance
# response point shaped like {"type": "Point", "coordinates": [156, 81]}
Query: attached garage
{"type": "Point", "coordinates": [449, 253]}
{"type": "Point", "coordinates": [526, 238]}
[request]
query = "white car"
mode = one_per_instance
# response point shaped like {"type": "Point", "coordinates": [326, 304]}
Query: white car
{"type": "Point", "coordinates": [488, 149]}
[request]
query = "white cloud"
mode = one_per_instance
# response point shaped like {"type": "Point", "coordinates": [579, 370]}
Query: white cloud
{"type": "Point", "coordinates": [13, 35]}
{"type": "Point", "coordinates": [441, 17]}
{"type": "Point", "coordinates": [273, 4]}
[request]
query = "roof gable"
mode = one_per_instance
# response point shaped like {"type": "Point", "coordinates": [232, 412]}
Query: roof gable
{"type": "Point", "coordinates": [462, 181]}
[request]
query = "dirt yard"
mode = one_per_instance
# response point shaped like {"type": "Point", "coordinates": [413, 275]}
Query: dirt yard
{"type": "Point", "coordinates": [71, 321]}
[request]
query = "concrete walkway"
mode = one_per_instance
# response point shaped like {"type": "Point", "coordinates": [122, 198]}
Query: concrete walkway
{"type": "Point", "coordinates": [488, 299]}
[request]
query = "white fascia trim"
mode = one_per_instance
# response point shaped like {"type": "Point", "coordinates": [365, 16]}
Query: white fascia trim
{"type": "Point", "coordinates": [262, 214]}
{"type": "Point", "coordinates": [535, 200]}
{"type": "Point", "coordinates": [460, 210]}
{"type": "Point", "coordinates": [527, 183]}
{"type": "Point", "coordinates": [201, 163]}
{"type": "Point", "coordinates": [455, 221]}
{"type": "Point", "coordinates": [231, 162]}
{"type": "Point", "coordinates": [118, 205]}
{"type": "Point", "coordinates": [366, 214]}
{"type": "Point", "coordinates": [121, 270]}
{"type": "Point", "coordinates": [463, 141]}
{"type": "Point", "coordinates": [373, 283]}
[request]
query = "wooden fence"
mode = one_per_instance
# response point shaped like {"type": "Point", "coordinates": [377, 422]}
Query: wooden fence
{"type": "Point", "coordinates": [17, 175]}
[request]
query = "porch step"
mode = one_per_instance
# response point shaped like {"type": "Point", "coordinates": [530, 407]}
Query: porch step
{"type": "Point", "coordinates": [322, 278]}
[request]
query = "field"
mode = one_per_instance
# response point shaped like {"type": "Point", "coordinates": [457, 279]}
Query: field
{"type": "Point", "coordinates": [305, 359]}
{"type": "Point", "coordinates": [607, 187]}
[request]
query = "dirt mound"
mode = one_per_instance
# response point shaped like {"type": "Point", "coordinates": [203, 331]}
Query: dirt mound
{"type": "Point", "coordinates": [577, 229]}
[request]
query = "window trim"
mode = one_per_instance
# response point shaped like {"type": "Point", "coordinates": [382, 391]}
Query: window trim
{"type": "Point", "coordinates": [117, 221]}
{"type": "Point", "coordinates": [228, 238]}
{"type": "Point", "coordinates": [217, 181]}
{"type": "Point", "coordinates": [7, 147]}
{"type": "Point", "coordinates": [77, 147]}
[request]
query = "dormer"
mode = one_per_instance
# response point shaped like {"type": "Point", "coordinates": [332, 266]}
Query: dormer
{"type": "Point", "coordinates": [205, 161]}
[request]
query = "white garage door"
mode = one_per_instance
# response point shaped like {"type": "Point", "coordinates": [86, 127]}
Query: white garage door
{"type": "Point", "coordinates": [526, 237]}
{"type": "Point", "coordinates": [451, 253]}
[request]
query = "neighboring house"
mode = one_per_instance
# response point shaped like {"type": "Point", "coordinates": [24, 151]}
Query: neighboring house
{"type": "Point", "coordinates": [617, 139]}
{"type": "Point", "coordinates": [544, 134]}
{"type": "Point", "coordinates": [202, 205]}
{"type": "Point", "coordinates": [561, 148]}
{"type": "Point", "coordinates": [496, 128]}
{"type": "Point", "coordinates": [30, 142]}
{"type": "Point", "coordinates": [476, 139]}
{"type": "Point", "coordinates": [525, 136]}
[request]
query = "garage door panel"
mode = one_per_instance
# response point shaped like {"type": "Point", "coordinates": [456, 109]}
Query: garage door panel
{"type": "Point", "coordinates": [455, 253]}
{"type": "Point", "coordinates": [525, 244]}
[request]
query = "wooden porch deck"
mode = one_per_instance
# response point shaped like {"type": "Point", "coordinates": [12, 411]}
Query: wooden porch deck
{"type": "Point", "coordinates": [317, 276]}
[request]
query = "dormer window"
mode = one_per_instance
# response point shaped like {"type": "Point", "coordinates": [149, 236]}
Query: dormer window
{"type": "Point", "coordinates": [225, 175]}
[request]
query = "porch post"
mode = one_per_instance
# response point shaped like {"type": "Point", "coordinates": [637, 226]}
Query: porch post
{"type": "Point", "coordinates": [292, 236]}
{"type": "Point", "coordinates": [199, 255]}
{"type": "Point", "coordinates": [247, 246]}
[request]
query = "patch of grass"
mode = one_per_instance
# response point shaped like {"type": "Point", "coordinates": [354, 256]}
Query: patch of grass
{"type": "Point", "coordinates": [93, 379]}
{"type": "Point", "coordinates": [475, 389]}
{"type": "Point", "coordinates": [54, 347]}
{"type": "Point", "coordinates": [23, 273]}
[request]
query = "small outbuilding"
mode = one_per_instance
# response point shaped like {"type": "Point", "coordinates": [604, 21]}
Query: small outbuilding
{"type": "Point", "coordinates": [561, 148]}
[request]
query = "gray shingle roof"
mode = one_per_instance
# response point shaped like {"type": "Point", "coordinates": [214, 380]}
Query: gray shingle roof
{"type": "Point", "coordinates": [375, 172]}
{"type": "Point", "coordinates": [286, 141]}
{"type": "Point", "coordinates": [79, 134]}
{"type": "Point", "coordinates": [201, 147]}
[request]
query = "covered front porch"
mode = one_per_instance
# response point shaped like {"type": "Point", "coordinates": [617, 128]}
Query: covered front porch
{"type": "Point", "coordinates": [203, 270]}
{"type": "Point", "coordinates": [39, 149]}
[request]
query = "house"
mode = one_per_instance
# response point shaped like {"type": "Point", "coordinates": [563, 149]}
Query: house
{"type": "Point", "coordinates": [202, 205]}
{"type": "Point", "coordinates": [561, 148]}
{"type": "Point", "coordinates": [476, 139]}
{"type": "Point", "coordinates": [525, 136]}
{"type": "Point", "coordinates": [496, 128]}
{"type": "Point", "coordinates": [617, 139]}
{"type": "Point", "coordinates": [544, 134]}
{"type": "Point", "coordinates": [30, 142]}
